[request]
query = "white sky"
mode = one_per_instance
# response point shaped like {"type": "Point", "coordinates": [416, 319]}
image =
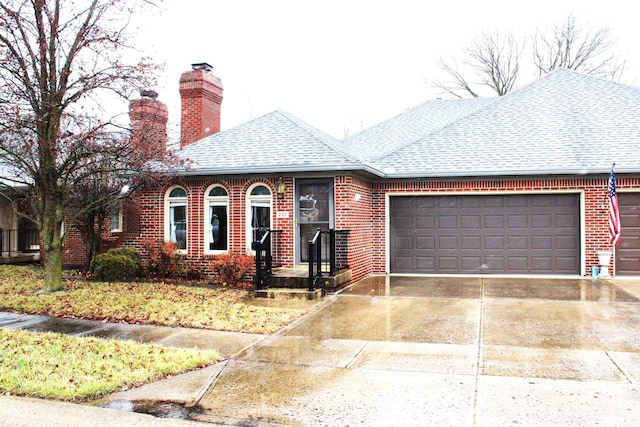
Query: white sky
{"type": "Point", "coordinates": [346, 64]}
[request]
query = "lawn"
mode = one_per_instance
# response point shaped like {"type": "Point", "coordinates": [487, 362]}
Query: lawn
{"type": "Point", "coordinates": [75, 368]}
{"type": "Point", "coordinates": [144, 302]}
{"type": "Point", "coordinates": [55, 366]}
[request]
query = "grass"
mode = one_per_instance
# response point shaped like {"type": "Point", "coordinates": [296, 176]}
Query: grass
{"type": "Point", "coordinates": [76, 368]}
{"type": "Point", "coordinates": [146, 303]}
{"type": "Point", "coordinates": [55, 366]}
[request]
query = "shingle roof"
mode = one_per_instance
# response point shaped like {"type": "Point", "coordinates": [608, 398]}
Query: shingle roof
{"type": "Point", "coordinates": [409, 126]}
{"type": "Point", "coordinates": [563, 123]}
{"type": "Point", "coordinates": [274, 142]}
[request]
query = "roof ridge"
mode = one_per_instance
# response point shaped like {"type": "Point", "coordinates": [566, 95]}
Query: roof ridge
{"type": "Point", "coordinates": [324, 137]}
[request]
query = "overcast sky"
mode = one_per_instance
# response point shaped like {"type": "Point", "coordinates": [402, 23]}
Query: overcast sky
{"type": "Point", "coordinates": [344, 65]}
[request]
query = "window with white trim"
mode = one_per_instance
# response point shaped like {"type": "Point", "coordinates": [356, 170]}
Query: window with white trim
{"type": "Point", "coordinates": [116, 218]}
{"type": "Point", "coordinates": [216, 202]}
{"type": "Point", "coordinates": [258, 212]}
{"type": "Point", "coordinates": [176, 217]}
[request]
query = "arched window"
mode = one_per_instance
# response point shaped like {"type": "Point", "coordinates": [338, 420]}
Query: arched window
{"type": "Point", "coordinates": [216, 202]}
{"type": "Point", "coordinates": [176, 217]}
{"type": "Point", "coordinates": [258, 212]}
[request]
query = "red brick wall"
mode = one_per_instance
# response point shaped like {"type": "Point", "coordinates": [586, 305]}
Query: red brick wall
{"type": "Point", "coordinates": [359, 207]}
{"type": "Point", "coordinates": [353, 198]}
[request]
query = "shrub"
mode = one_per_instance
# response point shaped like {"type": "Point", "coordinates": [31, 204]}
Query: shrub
{"type": "Point", "coordinates": [117, 264]}
{"type": "Point", "coordinates": [163, 260]}
{"type": "Point", "coordinates": [232, 267]}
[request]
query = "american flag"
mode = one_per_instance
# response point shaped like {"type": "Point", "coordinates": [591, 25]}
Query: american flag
{"type": "Point", "coordinates": [614, 213]}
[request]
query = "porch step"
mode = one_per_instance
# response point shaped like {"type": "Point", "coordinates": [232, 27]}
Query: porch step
{"type": "Point", "coordinates": [20, 258]}
{"type": "Point", "coordinates": [288, 293]}
{"type": "Point", "coordinates": [295, 278]}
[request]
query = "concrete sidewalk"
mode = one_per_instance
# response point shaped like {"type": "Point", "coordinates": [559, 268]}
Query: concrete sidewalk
{"type": "Point", "coordinates": [417, 351]}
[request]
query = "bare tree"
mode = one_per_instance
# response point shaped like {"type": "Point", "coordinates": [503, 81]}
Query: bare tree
{"type": "Point", "coordinates": [494, 61]}
{"type": "Point", "coordinates": [585, 49]}
{"type": "Point", "coordinates": [59, 62]}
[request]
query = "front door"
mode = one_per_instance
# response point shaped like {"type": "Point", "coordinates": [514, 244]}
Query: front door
{"type": "Point", "coordinates": [314, 209]}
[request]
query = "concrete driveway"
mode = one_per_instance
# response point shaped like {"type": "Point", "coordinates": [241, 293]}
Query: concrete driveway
{"type": "Point", "coordinates": [444, 351]}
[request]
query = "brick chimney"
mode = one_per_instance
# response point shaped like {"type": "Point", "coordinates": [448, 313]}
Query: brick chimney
{"type": "Point", "coordinates": [149, 118]}
{"type": "Point", "coordinates": [201, 94]}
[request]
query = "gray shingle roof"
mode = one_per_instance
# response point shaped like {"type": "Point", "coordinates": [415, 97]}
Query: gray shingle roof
{"type": "Point", "coordinates": [274, 142]}
{"type": "Point", "coordinates": [563, 123]}
{"type": "Point", "coordinates": [410, 126]}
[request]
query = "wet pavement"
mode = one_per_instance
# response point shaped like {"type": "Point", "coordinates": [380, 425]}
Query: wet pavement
{"type": "Point", "coordinates": [426, 351]}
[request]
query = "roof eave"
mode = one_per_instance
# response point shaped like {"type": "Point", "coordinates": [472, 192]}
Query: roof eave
{"type": "Point", "coordinates": [283, 169]}
{"type": "Point", "coordinates": [509, 173]}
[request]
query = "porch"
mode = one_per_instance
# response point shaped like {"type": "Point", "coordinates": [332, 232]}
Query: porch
{"type": "Point", "coordinates": [19, 246]}
{"type": "Point", "coordinates": [325, 270]}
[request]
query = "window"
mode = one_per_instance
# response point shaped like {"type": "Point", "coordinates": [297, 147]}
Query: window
{"type": "Point", "coordinates": [116, 219]}
{"type": "Point", "coordinates": [216, 201]}
{"type": "Point", "coordinates": [258, 212]}
{"type": "Point", "coordinates": [176, 215]}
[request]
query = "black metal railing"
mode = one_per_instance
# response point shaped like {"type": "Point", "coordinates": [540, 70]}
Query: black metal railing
{"type": "Point", "coordinates": [328, 251]}
{"type": "Point", "coordinates": [18, 241]}
{"type": "Point", "coordinates": [267, 253]}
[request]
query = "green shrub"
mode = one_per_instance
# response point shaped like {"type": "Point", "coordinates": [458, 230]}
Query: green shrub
{"type": "Point", "coordinates": [129, 253]}
{"type": "Point", "coordinates": [117, 264]}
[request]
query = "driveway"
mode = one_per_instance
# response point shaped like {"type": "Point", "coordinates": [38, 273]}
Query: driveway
{"type": "Point", "coordinates": [444, 351]}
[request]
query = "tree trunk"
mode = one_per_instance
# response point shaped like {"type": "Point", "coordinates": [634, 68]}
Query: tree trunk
{"type": "Point", "coordinates": [52, 267]}
{"type": "Point", "coordinates": [51, 236]}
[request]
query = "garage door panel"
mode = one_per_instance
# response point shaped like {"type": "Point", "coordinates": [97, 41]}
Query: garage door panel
{"type": "Point", "coordinates": [517, 221]}
{"type": "Point", "coordinates": [494, 242]}
{"type": "Point", "coordinates": [492, 263]}
{"type": "Point", "coordinates": [425, 263]}
{"type": "Point", "coordinates": [541, 221]}
{"type": "Point", "coordinates": [471, 221]}
{"type": "Point", "coordinates": [541, 242]}
{"type": "Point", "coordinates": [489, 234]}
{"type": "Point", "coordinates": [448, 221]}
{"type": "Point", "coordinates": [627, 262]}
{"type": "Point", "coordinates": [403, 223]}
{"type": "Point", "coordinates": [566, 263]}
{"type": "Point", "coordinates": [448, 264]}
{"type": "Point", "coordinates": [425, 222]}
{"type": "Point", "coordinates": [471, 242]}
{"type": "Point", "coordinates": [563, 220]}
{"type": "Point", "coordinates": [425, 242]}
{"type": "Point", "coordinates": [493, 221]}
{"type": "Point", "coordinates": [517, 242]}
{"type": "Point", "coordinates": [471, 262]}
{"type": "Point", "coordinates": [448, 242]}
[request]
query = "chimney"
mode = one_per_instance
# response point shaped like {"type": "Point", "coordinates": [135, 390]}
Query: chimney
{"type": "Point", "coordinates": [201, 94]}
{"type": "Point", "coordinates": [149, 118]}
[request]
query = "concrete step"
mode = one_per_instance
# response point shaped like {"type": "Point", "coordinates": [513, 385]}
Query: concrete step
{"type": "Point", "coordinates": [287, 293]}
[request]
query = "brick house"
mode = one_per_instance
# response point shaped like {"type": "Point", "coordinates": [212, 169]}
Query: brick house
{"type": "Point", "coordinates": [514, 185]}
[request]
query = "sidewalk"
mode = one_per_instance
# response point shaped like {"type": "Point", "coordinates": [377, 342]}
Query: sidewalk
{"type": "Point", "coordinates": [397, 351]}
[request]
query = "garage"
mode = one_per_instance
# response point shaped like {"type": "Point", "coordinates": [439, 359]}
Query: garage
{"type": "Point", "coordinates": [477, 234]}
{"type": "Point", "coordinates": [628, 251]}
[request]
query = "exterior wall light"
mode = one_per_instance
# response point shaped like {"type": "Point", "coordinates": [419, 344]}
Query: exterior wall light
{"type": "Point", "coordinates": [280, 188]}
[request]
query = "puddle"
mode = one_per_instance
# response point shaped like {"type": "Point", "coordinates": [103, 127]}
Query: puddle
{"type": "Point", "coordinates": [160, 409]}
{"type": "Point", "coordinates": [492, 287]}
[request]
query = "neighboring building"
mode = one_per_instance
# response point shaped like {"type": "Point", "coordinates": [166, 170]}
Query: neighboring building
{"type": "Point", "coordinates": [514, 185]}
{"type": "Point", "coordinates": [19, 241]}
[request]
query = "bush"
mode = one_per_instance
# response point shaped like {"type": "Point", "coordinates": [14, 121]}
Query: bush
{"type": "Point", "coordinates": [232, 267]}
{"type": "Point", "coordinates": [117, 264]}
{"type": "Point", "coordinates": [163, 260]}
